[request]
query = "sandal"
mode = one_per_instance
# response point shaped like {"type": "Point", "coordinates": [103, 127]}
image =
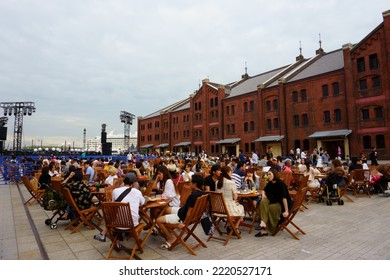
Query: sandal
{"type": "Point", "coordinates": [155, 231]}
{"type": "Point", "coordinates": [165, 246]}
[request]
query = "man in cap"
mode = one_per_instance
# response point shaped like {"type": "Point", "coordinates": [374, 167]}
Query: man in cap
{"type": "Point", "coordinates": [133, 197]}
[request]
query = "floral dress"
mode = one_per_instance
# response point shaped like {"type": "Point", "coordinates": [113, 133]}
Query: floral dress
{"type": "Point", "coordinates": [81, 194]}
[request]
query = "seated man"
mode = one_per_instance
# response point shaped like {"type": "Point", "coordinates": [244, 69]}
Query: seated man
{"type": "Point", "coordinates": [177, 215]}
{"type": "Point", "coordinates": [238, 174]}
{"type": "Point", "coordinates": [133, 197]}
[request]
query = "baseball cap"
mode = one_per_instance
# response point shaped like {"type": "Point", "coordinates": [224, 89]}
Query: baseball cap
{"type": "Point", "coordinates": [131, 176]}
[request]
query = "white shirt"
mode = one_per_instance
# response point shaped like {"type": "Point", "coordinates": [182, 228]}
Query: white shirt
{"type": "Point", "coordinates": [170, 192]}
{"type": "Point", "coordinates": [110, 180]}
{"type": "Point", "coordinates": [134, 197]}
{"type": "Point", "coordinates": [187, 176]}
{"type": "Point", "coordinates": [255, 158]}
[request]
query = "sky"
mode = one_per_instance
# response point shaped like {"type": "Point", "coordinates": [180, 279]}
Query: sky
{"type": "Point", "coordinates": [83, 62]}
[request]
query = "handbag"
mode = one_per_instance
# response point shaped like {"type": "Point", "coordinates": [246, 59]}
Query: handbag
{"type": "Point", "coordinates": [207, 224]}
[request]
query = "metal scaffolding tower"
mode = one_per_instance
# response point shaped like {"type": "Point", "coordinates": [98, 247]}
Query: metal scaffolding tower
{"type": "Point", "coordinates": [127, 119]}
{"type": "Point", "coordinates": [18, 109]}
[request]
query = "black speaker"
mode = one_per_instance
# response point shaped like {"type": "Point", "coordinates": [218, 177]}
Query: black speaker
{"type": "Point", "coordinates": [104, 137]}
{"type": "Point", "coordinates": [1, 147]}
{"type": "Point", "coordinates": [106, 149]}
{"type": "Point", "coordinates": [3, 133]}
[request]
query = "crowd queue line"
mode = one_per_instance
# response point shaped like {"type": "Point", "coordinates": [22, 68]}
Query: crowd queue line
{"type": "Point", "coordinates": [164, 193]}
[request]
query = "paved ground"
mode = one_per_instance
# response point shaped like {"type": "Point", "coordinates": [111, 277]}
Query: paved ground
{"type": "Point", "coordinates": [357, 230]}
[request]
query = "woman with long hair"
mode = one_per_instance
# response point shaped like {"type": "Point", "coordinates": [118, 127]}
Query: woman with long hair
{"type": "Point", "coordinates": [275, 202]}
{"type": "Point", "coordinates": [227, 186]}
{"type": "Point", "coordinates": [169, 191]}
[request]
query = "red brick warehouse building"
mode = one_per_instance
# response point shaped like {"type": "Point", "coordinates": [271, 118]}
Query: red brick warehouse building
{"type": "Point", "coordinates": [338, 98]}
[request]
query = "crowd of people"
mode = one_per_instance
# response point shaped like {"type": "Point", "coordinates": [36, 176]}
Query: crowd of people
{"type": "Point", "coordinates": [227, 175]}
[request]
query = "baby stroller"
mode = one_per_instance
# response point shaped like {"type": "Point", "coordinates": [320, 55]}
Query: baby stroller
{"type": "Point", "coordinates": [331, 189]}
{"type": "Point", "coordinates": [53, 201]}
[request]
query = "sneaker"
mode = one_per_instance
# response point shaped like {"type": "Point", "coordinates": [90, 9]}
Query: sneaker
{"type": "Point", "coordinates": [100, 237]}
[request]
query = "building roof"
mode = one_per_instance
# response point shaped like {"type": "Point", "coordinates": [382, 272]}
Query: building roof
{"type": "Point", "coordinates": [251, 83]}
{"type": "Point", "coordinates": [171, 107]}
{"type": "Point", "coordinates": [326, 63]}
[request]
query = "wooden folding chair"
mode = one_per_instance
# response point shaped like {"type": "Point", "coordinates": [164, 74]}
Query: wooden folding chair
{"type": "Point", "coordinates": [286, 178]}
{"type": "Point", "coordinates": [119, 221]}
{"type": "Point", "coordinates": [360, 182]}
{"type": "Point", "coordinates": [301, 181]}
{"type": "Point", "coordinates": [83, 217]}
{"type": "Point", "coordinates": [150, 187]}
{"type": "Point", "coordinates": [118, 182]}
{"type": "Point", "coordinates": [86, 177]}
{"type": "Point", "coordinates": [184, 191]}
{"type": "Point", "coordinates": [36, 194]}
{"type": "Point", "coordinates": [219, 213]}
{"type": "Point", "coordinates": [284, 222]}
{"type": "Point", "coordinates": [348, 186]}
{"type": "Point", "coordinates": [192, 220]}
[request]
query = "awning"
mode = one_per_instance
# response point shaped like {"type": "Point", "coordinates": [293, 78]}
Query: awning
{"type": "Point", "coordinates": [147, 146]}
{"type": "Point", "coordinates": [182, 144]}
{"type": "Point", "coordinates": [275, 138]}
{"type": "Point", "coordinates": [229, 141]}
{"type": "Point", "coordinates": [331, 133]}
{"type": "Point", "coordinates": [164, 145]}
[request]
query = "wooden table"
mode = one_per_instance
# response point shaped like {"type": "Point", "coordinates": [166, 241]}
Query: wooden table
{"type": "Point", "coordinates": [246, 199]}
{"type": "Point", "coordinates": [144, 215]}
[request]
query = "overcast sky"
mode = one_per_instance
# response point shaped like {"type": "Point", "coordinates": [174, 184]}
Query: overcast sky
{"type": "Point", "coordinates": [83, 62]}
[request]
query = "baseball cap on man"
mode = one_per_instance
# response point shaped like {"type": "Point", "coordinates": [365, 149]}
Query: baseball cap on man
{"type": "Point", "coordinates": [131, 177]}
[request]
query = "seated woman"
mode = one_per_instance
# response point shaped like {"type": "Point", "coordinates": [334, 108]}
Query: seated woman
{"type": "Point", "coordinates": [312, 183]}
{"type": "Point", "coordinates": [45, 178]}
{"type": "Point", "coordinates": [169, 191]}
{"type": "Point", "coordinates": [80, 191]}
{"type": "Point", "coordinates": [275, 201]}
{"type": "Point", "coordinates": [177, 215]}
{"type": "Point", "coordinates": [252, 182]}
{"type": "Point", "coordinates": [112, 174]}
{"type": "Point", "coordinates": [228, 187]}
{"type": "Point", "coordinates": [52, 169]}
{"type": "Point", "coordinates": [187, 173]}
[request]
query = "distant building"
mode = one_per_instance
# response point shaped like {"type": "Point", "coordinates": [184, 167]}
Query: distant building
{"type": "Point", "coordinates": [118, 142]}
{"type": "Point", "coordinates": [334, 99]}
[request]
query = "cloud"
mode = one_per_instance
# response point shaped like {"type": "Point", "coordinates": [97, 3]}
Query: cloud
{"type": "Point", "coordinates": [82, 62]}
